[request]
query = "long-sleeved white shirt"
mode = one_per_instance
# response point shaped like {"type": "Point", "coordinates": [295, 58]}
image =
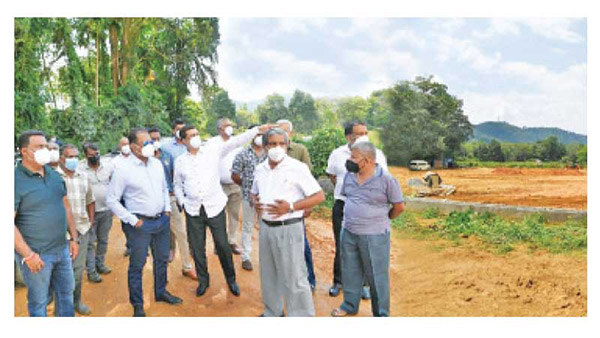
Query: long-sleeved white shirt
{"type": "Point", "coordinates": [196, 181]}
{"type": "Point", "coordinates": [143, 188]}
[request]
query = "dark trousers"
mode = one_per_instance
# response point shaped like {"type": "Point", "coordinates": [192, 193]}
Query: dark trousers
{"type": "Point", "coordinates": [337, 215]}
{"type": "Point", "coordinates": [310, 268]}
{"type": "Point", "coordinates": [196, 230]}
{"type": "Point", "coordinates": [155, 234]}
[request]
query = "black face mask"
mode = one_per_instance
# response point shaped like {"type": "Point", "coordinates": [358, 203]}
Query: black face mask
{"type": "Point", "coordinates": [94, 159]}
{"type": "Point", "coordinates": [352, 166]}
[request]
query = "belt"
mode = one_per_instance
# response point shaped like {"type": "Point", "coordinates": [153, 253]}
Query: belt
{"type": "Point", "coordinates": [284, 222]}
{"type": "Point", "coordinates": [151, 218]}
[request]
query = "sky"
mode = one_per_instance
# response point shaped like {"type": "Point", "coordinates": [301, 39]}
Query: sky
{"type": "Point", "coordinates": [530, 72]}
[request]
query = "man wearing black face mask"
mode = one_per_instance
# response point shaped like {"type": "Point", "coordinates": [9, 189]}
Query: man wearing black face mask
{"type": "Point", "coordinates": [98, 171]}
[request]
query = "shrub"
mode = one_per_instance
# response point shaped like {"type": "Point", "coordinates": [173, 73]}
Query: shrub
{"type": "Point", "coordinates": [323, 142]}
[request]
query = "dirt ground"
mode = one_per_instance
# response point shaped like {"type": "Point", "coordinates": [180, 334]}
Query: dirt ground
{"type": "Point", "coordinates": [428, 278]}
{"type": "Point", "coordinates": [556, 188]}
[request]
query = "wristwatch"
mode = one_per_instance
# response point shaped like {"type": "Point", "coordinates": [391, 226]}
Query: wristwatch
{"type": "Point", "coordinates": [291, 207]}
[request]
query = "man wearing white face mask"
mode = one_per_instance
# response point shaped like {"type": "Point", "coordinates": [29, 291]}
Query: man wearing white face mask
{"type": "Point", "coordinates": [83, 207]}
{"type": "Point", "coordinates": [42, 216]}
{"type": "Point", "coordinates": [198, 191]}
{"type": "Point", "coordinates": [124, 151]}
{"type": "Point", "coordinates": [230, 188]}
{"type": "Point", "coordinates": [283, 188]}
{"type": "Point", "coordinates": [54, 155]}
{"type": "Point", "coordinates": [140, 183]}
{"type": "Point", "coordinates": [242, 173]}
{"type": "Point", "coordinates": [336, 169]}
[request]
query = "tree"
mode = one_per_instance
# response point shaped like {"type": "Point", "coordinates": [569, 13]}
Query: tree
{"type": "Point", "coordinates": [220, 106]}
{"type": "Point", "coordinates": [272, 109]}
{"type": "Point", "coordinates": [325, 110]}
{"type": "Point", "coordinates": [244, 118]}
{"type": "Point", "coordinates": [352, 109]}
{"type": "Point", "coordinates": [323, 142]}
{"type": "Point", "coordinates": [550, 149]}
{"type": "Point", "coordinates": [303, 112]}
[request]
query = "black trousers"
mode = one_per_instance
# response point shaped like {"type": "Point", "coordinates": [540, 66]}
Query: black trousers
{"type": "Point", "coordinates": [196, 231]}
{"type": "Point", "coordinates": [337, 215]}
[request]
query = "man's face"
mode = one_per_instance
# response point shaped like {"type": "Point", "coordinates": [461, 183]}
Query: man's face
{"type": "Point", "coordinates": [189, 135]}
{"type": "Point", "coordinates": [141, 139]}
{"type": "Point", "coordinates": [52, 146]}
{"type": "Point", "coordinates": [89, 152]}
{"type": "Point", "coordinates": [276, 140]}
{"type": "Point", "coordinates": [155, 136]}
{"type": "Point", "coordinates": [36, 142]}
{"type": "Point", "coordinates": [357, 131]}
{"type": "Point", "coordinates": [177, 128]}
{"type": "Point", "coordinates": [123, 141]}
{"type": "Point", "coordinates": [68, 153]}
{"type": "Point", "coordinates": [224, 125]}
{"type": "Point", "coordinates": [358, 158]}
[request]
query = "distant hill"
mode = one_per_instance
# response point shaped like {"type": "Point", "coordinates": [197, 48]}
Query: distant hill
{"type": "Point", "coordinates": [504, 132]}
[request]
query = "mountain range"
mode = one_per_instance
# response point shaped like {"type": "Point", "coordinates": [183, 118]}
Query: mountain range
{"type": "Point", "coordinates": [505, 132]}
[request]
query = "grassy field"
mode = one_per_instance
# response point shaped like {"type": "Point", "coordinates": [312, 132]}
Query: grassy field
{"type": "Point", "coordinates": [473, 163]}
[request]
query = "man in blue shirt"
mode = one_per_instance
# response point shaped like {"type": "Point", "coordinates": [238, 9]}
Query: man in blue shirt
{"type": "Point", "coordinates": [146, 211]}
{"type": "Point", "coordinates": [42, 216]}
{"type": "Point", "coordinates": [365, 237]}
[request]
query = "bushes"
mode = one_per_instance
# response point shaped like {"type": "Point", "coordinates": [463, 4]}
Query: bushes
{"type": "Point", "coordinates": [323, 142]}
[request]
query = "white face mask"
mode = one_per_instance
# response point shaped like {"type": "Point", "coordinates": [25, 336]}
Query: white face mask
{"type": "Point", "coordinates": [364, 138]}
{"type": "Point", "coordinates": [148, 150]}
{"type": "Point", "coordinates": [125, 150]}
{"type": "Point", "coordinates": [229, 130]}
{"type": "Point", "coordinates": [196, 142]}
{"type": "Point", "coordinates": [42, 156]}
{"type": "Point", "coordinates": [54, 155]}
{"type": "Point", "coordinates": [258, 141]}
{"type": "Point", "coordinates": [276, 154]}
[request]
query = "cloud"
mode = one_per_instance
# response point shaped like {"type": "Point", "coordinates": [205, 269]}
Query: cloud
{"type": "Point", "coordinates": [498, 27]}
{"type": "Point", "coordinates": [554, 28]}
{"type": "Point", "coordinates": [299, 25]}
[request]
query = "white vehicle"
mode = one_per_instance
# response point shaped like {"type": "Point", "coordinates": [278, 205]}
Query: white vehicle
{"type": "Point", "coordinates": [419, 165]}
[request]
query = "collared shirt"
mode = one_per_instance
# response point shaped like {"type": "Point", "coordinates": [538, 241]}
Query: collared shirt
{"type": "Point", "coordinates": [40, 212]}
{"type": "Point", "coordinates": [299, 152]}
{"type": "Point", "coordinates": [79, 194]}
{"type": "Point", "coordinates": [290, 181]}
{"type": "Point", "coordinates": [99, 179]}
{"type": "Point", "coordinates": [243, 165]}
{"type": "Point", "coordinates": [366, 211]}
{"type": "Point", "coordinates": [336, 165]}
{"type": "Point", "coordinates": [196, 181]}
{"type": "Point", "coordinates": [226, 161]}
{"type": "Point", "coordinates": [143, 188]}
{"type": "Point", "coordinates": [168, 164]}
{"type": "Point", "coordinates": [173, 148]}
{"type": "Point", "coordinates": [118, 161]}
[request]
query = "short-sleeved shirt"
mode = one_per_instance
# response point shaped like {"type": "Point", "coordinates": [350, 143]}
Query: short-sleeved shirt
{"type": "Point", "coordinates": [99, 179]}
{"type": "Point", "coordinates": [299, 152]}
{"type": "Point", "coordinates": [336, 165]}
{"type": "Point", "coordinates": [290, 181]}
{"type": "Point", "coordinates": [367, 207]}
{"type": "Point", "coordinates": [41, 216]}
{"type": "Point", "coordinates": [173, 148]}
{"type": "Point", "coordinates": [244, 164]}
{"type": "Point", "coordinates": [79, 194]}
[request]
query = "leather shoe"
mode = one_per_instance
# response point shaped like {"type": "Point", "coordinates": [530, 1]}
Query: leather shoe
{"type": "Point", "coordinates": [335, 289]}
{"type": "Point", "coordinates": [81, 308]}
{"type": "Point", "coordinates": [138, 311]}
{"type": "Point", "coordinates": [191, 274]}
{"type": "Point", "coordinates": [104, 270]}
{"type": "Point", "coordinates": [234, 288]}
{"type": "Point", "coordinates": [247, 265]}
{"type": "Point", "coordinates": [235, 249]}
{"type": "Point", "coordinates": [201, 290]}
{"type": "Point", "coordinates": [94, 277]}
{"type": "Point", "coordinates": [366, 293]}
{"type": "Point", "coordinates": [169, 298]}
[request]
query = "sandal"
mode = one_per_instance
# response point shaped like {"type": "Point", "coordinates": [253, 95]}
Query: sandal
{"type": "Point", "coordinates": [337, 312]}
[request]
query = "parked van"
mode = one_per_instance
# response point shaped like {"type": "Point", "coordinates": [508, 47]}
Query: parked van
{"type": "Point", "coordinates": [419, 165]}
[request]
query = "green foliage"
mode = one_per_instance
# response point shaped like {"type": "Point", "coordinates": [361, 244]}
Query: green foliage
{"type": "Point", "coordinates": [430, 213]}
{"type": "Point", "coordinates": [303, 112]}
{"type": "Point", "coordinates": [474, 163]}
{"type": "Point", "coordinates": [273, 109]}
{"type": "Point", "coordinates": [219, 106]}
{"type": "Point", "coordinates": [352, 109]}
{"type": "Point", "coordinates": [323, 142]}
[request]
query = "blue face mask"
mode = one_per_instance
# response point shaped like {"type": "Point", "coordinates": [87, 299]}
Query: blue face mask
{"type": "Point", "coordinates": [71, 163]}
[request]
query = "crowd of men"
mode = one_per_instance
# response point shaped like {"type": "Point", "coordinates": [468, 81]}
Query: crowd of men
{"type": "Point", "coordinates": [64, 210]}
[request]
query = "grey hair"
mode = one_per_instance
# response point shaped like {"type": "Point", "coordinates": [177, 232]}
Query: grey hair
{"type": "Point", "coordinates": [65, 147]}
{"type": "Point", "coordinates": [366, 149]}
{"type": "Point", "coordinates": [288, 122]}
{"type": "Point", "coordinates": [275, 131]}
{"type": "Point", "coordinates": [221, 121]}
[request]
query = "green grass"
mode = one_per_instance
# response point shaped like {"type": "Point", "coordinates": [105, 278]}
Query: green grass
{"type": "Point", "coordinates": [468, 163]}
{"type": "Point", "coordinates": [499, 234]}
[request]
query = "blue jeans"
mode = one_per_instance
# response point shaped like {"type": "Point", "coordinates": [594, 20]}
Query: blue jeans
{"type": "Point", "coordinates": [58, 272]}
{"type": "Point", "coordinates": [309, 260]}
{"type": "Point", "coordinates": [367, 255]}
{"type": "Point", "coordinates": [156, 235]}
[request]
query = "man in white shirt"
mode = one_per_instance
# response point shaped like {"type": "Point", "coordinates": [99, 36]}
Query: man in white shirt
{"type": "Point", "coordinates": [336, 169]}
{"type": "Point", "coordinates": [230, 188]}
{"type": "Point", "coordinates": [283, 188]}
{"type": "Point", "coordinates": [116, 162]}
{"type": "Point", "coordinates": [198, 191]}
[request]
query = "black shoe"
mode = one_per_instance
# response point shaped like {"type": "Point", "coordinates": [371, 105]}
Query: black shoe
{"type": "Point", "coordinates": [138, 311]}
{"type": "Point", "coordinates": [127, 252]}
{"type": "Point", "coordinates": [234, 288]}
{"type": "Point", "coordinates": [94, 277]}
{"type": "Point", "coordinates": [104, 270]}
{"type": "Point", "coordinates": [312, 288]}
{"type": "Point", "coordinates": [201, 290]}
{"type": "Point", "coordinates": [335, 289]}
{"type": "Point", "coordinates": [169, 298]}
{"type": "Point", "coordinates": [247, 265]}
